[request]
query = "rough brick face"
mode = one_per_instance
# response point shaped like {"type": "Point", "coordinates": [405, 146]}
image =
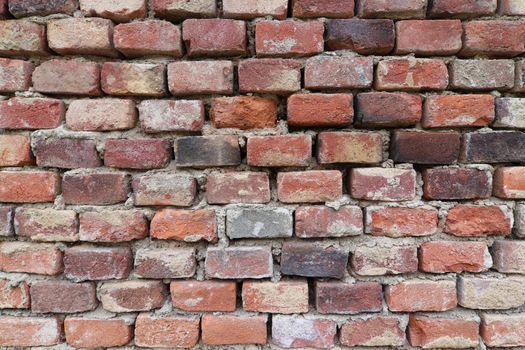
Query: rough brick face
{"type": "Point", "coordinates": [112, 226]}
{"type": "Point", "coordinates": [349, 147]}
{"type": "Point", "coordinates": [243, 112]}
{"type": "Point", "coordinates": [207, 151]}
{"type": "Point", "coordinates": [164, 189]}
{"type": "Point", "coordinates": [66, 153]}
{"type": "Point", "coordinates": [288, 38]}
{"type": "Point", "coordinates": [97, 263]}
{"type": "Point", "coordinates": [224, 188]}
{"type": "Point", "coordinates": [15, 74]}
{"type": "Point", "coordinates": [299, 332]}
{"type": "Point", "coordinates": [226, 330]}
{"type": "Point", "coordinates": [275, 297]}
{"type": "Point", "coordinates": [456, 183]}
{"type": "Point", "coordinates": [101, 115]}
{"type": "Point", "coordinates": [239, 262]}
{"type": "Point", "coordinates": [28, 186]}
{"type": "Point", "coordinates": [479, 38]}
{"type": "Point", "coordinates": [133, 79]}
{"type": "Point", "coordinates": [319, 221]}
{"type": "Point", "coordinates": [185, 225]}
{"type": "Point", "coordinates": [42, 259]}
{"type": "Point", "coordinates": [491, 293]}
{"type": "Point", "coordinates": [214, 37]}
{"type": "Point", "coordinates": [442, 332]}
{"type": "Point", "coordinates": [165, 263]}
{"type": "Point", "coordinates": [462, 8]}
{"type": "Point", "coordinates": [387, 110]}
{"type": "Point", "coordinates": [398, 9]}
{"type": "Point", "coordinates": [69, 77]}
{"type": "Point", "coordinates": [373, 331]}
{"type": "Point", "coordinates": [62, 297]}
{"type": "Point", "coordinates": [411, 74]}
{"type": "Point", "coordinates": [200, 77]}
{"type": "Point", "coordinates": [269, 75]}
{"type": "Point", "coordinates": [211, 295]}
{"type": "Point", "coordinates": [452, 256]}
{"type": "Point", "coordinates": [26, 8]}
{"type": "Point", "coordinates": [250, 9]}
{"type": "Point", "coordinates": [83, 332]}
{"type": "Point", "coordinates": [328, 73]}
{"type": "Point", "coordinates": [137, 153]}
{"type": "Point", "coordinates": [21, 37]}
{"type": "Point", "coordinates": [100, 188]}
{"type": "Point", "coordinates": [476, 75]}
{"type": "Point", "coordinates": [320, 110]}
{"type": "Point", "coordinates": [401, 221]}
{"type": "Point", "coordinates": [179, 9]}
{"type": "Point", "coordinates": [325, 8]}
{"type": "Point", "coordinates": [348, 298]}
{"type": "Point", "coordinates": [46, 224]}
{"type": "Point", "coordinates": [502, 330]}
{"type": "Point", "coordinates": [365, 36]}
{"type": "Point", "coordinates": [30, 331]}
{"type": "Point", "coordinates": [31, 113]}
{"type": "Point", "coordinates": [509, 182]}
{"type": "Point", "coordinates": [382, 184]}
{"type": "Point", "coordinates": [132, 295]}
{"type": "Point", "coordinates": [493, 147]}
{"type": "Point", "coordinates": [15, 150]}
{"type": "Point", "coordinates": [148, 38]}
{"type": "Point", "coordinates": [458, 111]}
{"type": "Point", "coordinates": [471, 220]}
{"type": "Point", "coordinates": [310, 260]}
{"type": "Point", "coordinates": [425, 147]}
{"type": "Point", "coordinates": [14, 296]}
{"type": "Point", "coordinates": [410, 296]}
{"type": "Point", "coordinates": [384, 260]}
{"type": "Point", "coordinates": [118, 11]}
{"type": "Point", "coordinates": [428, 37]}
{"type": "Point", "coordinates": [166, 331]}
{"type": "Point", "coordinates": [279, 151]}
{"type": "Point", "coordinates": [309, 186]}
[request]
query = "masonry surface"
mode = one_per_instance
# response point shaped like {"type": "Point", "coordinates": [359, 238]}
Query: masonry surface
{"type": "Point", "coordinates": [247, 174]}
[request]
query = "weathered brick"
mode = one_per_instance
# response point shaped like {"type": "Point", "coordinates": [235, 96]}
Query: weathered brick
{"type": "Point", "coordinates": [511, 8]}
{"type": "Point", "coordinates": [41, 259]}
{"type": "Point", "coordinates": [411, 74]}
{"type": "Point", "coordinates": [179, 9]}
{"type": "Point", "coordinates": [320, 110]}
{"type": "Point", "coordinates": [112, 226]}
{"type": "Point", "coordinates": [46, 224]}
{"type": "Point", "coordinates": [442, 332]}
{"type": "Point", "coordinates": [348, 298]}
{"type": "Point", "coordinates": [289, 38]}
{"type": "Point", "coordinates": [30, 331]}
{"type": "Point", "coordinates": [28, 186]}
{"type": "Point", "coordinates": [81, 36]}
{"type": "Point", "coordinates": [26, 8]}
{"type": "Point", "coordinates": [313, 186]}
{"type": "Point", "coordinates": [6, 221]}
{"type": "Point", "coordinates": [311, 260]}
{"type": "Point", "coordinates": [250, 9]}
{"type": "Point", "coordinates": [332, 72]}
{"type": "Point", "coordinates": [4, 12]}
{"type": "Point", "coordinates": [214, 37]}
{"type": "Point", "coordinates": [456, 183]}
{"type": "Point", "coordinates": [299, 332]}
{"type": "Point", "coordinates": [166, 331]}
{"type": "Point", "coordinates": [100, 188]}
{"type": "Point", "coordinates": [243, 112]}
{"type": "Point", "coordinates": [397, 9]}
{"type": "Point", "coordinates": [485, 293]}
{"type": "Point", "coordinates": [207, 151]}
{"type": "Point", "coordinates": [509, 256]}
{"type": "Point", "coordinates": [165, 263]}
{"type": "Point", "coordinates": [509, 182]}
{"type": "Point", "coordinates": [383, 184]}
{"type": "Point", "coordinates": [66, 153]}
{"type": "Point", "coordinates": [238, 187]}
{"type": "Point", "coordinates": [458, 111]}
{"type": "Point", "coordinates": [204, 295]}
{"type": "Point", "coordinates": [138, 153]}
{"type": "Point", "coordinates": [239, 262]}
{"type": "Point", "coordinates": [15, 150]}
{"type": "Point", "coordinates": [31, 113]}
{"type": "Point", "coordinates": [88, 332]}
{"type": "Point", "coordinates": [381, 259]}
{"type": "Point", "coordinates": [479, 220]}
{"type": "Point", "coordinates": [493, 147]}
{"type": "Point", "coordinates": [519, 220]}
{"type": "Point", "coordinates": [269, 75]}
{"type": "Point", "coordinates": [164, 189]}
{"type": "Point", "coordinates": [401, 221]}
{"type": "Point", "coordinates": [67, 77]}
{"type": "Point", "coordinates": [425, 147]}
{"type": "Point", "coordinates": [283, 297]}
{"type": "Point", "coordinates": [279, 151]}
{"type": "Point", "coordinates": [92, 263]}
{"type": "Point", "coordinates": [200, 77]}
{"type": "Point", "coordinates": [14, 295]}
{"type": "Point", "coordinates": [493, 38]}
{"type": "Point", "coordinates": [454, 256]}
{"type": "Point", "coordinates": [429, 37]}
{"type": "Point", "coordinates": [101, 114]}
{"type": "Point", "coordinates": [118, 11]}
{"type": "Point", "coordinates": [413, 295]}
{"type": "Point", "coordinates": [477, 75]}
{"type": "Point", "coordinates": [15, 75]}
{"type": "Point", "coordinates": [349, 147]}
{"type": "Point", "coordinates": [388, 109]}
{"type": "Point", "coordinates": [133, 79]}
{"type": "Point", "coordinates": [324, 8]}
{"type": "Point", "coordinates": [169, 115]}
{"type": "Point", "coordinates": [320, 221]}
{"type": "Point", "coordinates": [129, 296]}
{"type": "Point", "coordinates": [259, 223]}
{"type": "Point", "coordinates": [502, 330]}
{"type": "Point", "coordinates": [22, 38]}
{"type": "Point", "coordinates": [509, 113]}
{"type": "Point", "coordinates": [185, 225]}
{"type": "Point", "coordinates": [364, 36]}
{"type": "Point", "coordinates": [373, 331]}
{"type": "Point", "coordinates": [462, 8]}
{"type": "Point", "coordinates": [228, 330]}
{"type": "Point", "coordinates": [62, 297]}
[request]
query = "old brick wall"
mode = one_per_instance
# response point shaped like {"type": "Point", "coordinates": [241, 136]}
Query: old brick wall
{"type": "Point", "coordinates": [265, 173]}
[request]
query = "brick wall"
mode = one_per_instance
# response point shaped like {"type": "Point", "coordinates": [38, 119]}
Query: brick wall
{"type": "Point", "coordinates": [304, 173]}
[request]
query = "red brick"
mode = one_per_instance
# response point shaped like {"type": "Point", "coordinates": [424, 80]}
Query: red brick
{"type": "Point", "coordinates": [373, 331]}
{"type": "Point", "coordinates": [323, 8]}
{"type": "Point", "coordinates": [62, 297]}
{"type": "Point", "coordinates": [138, 153]}
{"type": "Point", "coordinates": [22, 38]}
{"type": "Point", "coordinates": [478, 220]}
{"type": "Point", "coordinates": [15, 150]}
{"type": "Point", "coordinates": [509, 256]}
{"type": "Point", "coordinates": [384, 259]}
{"type": "Point", "coordinates": [91, 263]}
{"type": "Point", "coordinates": [401, 221]}
{"type": "Point", "coordinates": [164, 189]}
{"type": "Point", "coordinates": [239, 262]}
{"type": "Point", "coordinates": [46, 224]}
{"type": "Point", "coordinates": [509, 182]}
{"type": "Point", "coordinates": [456, 183]}
{"type": "Point", "coordinates": [512, 8]}
{"type": "Point", "coordinates": [462, 8]}
{"type": "Point", "coordinates": [288, 38]}
{"type": "Point", "coordinates": [207, 151]}
{"type": "Point", "coordinates": [129, 296]}
{"type": "Point", "coordinates": [14, 295]}
{"type": "Point", "coordinates": [118, 11]}
{"type": "Point", "coordinates": [168, 115]}
{"type": "Point", "coordinates": [425, 147]}
{"type": "Point", "coordinates": [99, 188]}
{"type": "Point", "coordinates": [112, 226]}
{"type": "Point", "coordinates": [101, 114]}
{"type": "Point", "coordinates": [66, 153]}
{"type": "Point", "coordinates": [385, 109]}
{"type": "Point", "coordinates": [491, 293]}
{"type": "Point", "coordinates": [179, 9]}
{"type": "Point", "coordinates": [250, 9]}
{"type": "Point", "coordinates": [133, 79]}
{"type": "Point", "coordinates": [185, 225]}
{"type": "Point", "coordinates": [31, 113]}
{"type": "Point", "coordinates": [4, 12]}
{"type": "Point", "coordinates": [301, 332]}
{"type": "Point", "coordinates": [15, 75]}
{"type": "Point", "coordinates": [6, 221]}
{"type": "Point", "coordinates": [204, 295]}
{"type": "Point", "coordinates": [334, 72]}
{"type": "Point", "coordinates": [42, 259]}
{"type": "Point", "coordinates": [279, 151]}
{"type": "Point", "coordinates": [458, 111]}
{"type": "Point", "coordinates": [411, 74]}
{"type": "Point", "coordinates": [30, 331]}
{"type": "Point", "coordinates": [443, 332]}
{"type": "Point", "coordinates": [312, 260]}
{"type": "Point", "coordinates": [87, 332]}
{"type": "Point", "coordinates": [364, 36]}
{"type": "Point", "coordinates": [26, 8]}
{"type": "Point", "coordinates": [383, 184]}
{"type": "Point", "coordinates": [320, 110]}
{"type": "Point", "coordinates": [429, 37]}
{"type": "Point", "coordinates": [229, 330]}
{"type": "Point", "coordinates": [493, 39]}
{"type": "Point", "coordinates": [349, 147]}
{"type": "Point", "coordinates": [348, 298]}
{"type": "Point", "coordinates": [214, 37]}
{"type": "Point", "coordinates": [166, 331]}
{"type": "Point", "coordinates": [454, 256]}
{"type": "Point", "coordinates": [269, 75]}
{"type": "Point", "coordinates": [159, 263]}
{"type": "Point", "coordinates": [502, 330]}
{"type": "Point", "coordinates": [309, 186]}
{"type": "Point", "coordinates": [319, 221]}
{"type": "Point", "coordinates": [243, 112]}
{"type": "Point", "coordinates": [28, 186]}
{"type": "Point", "coordinates": [200, 77]}
{"type": "Point", "coordinates": [397, 9]}
{"type": "Point", "coordinates": [284, 297]}
{"type": "Point", "coordinates": [238, 187]}
{"type": "Point", "coordinates": [67, 77]}
{"type": "Point", "coordinates": [81, 36]}
{"type": "Point", "coordinates": [421, 295]}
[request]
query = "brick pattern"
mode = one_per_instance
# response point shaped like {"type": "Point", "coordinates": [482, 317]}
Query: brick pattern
{"type": "Point", "coordinates": [262, 174]}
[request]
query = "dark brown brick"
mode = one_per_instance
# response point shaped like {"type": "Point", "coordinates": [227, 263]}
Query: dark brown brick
{"type": "Point", "coordinates": [388, 109]}
{"type": "Point", "coordinates": [26, 8]}
{"type": "Point", "coordinates": [493, 147]}
{"type": "Point", "coordinates": [62, 297]}
{"type": "Point", "coordinates": [95, 188]}
{"type": "Point", "coordinates": [207, 151]}
{"type": "Point", "coordinates": [310, 260]}
{"type": "Point", "coordinates": [348, 298]}
{"type": "Point", "coordinates": [456, 183]}
{"type": "Point", "coordinates": [461, 8]}
{"type": "Point", "coordinates": [138, 153]}
{"type": "Point", "coordinates": [425, 147]}
{"type": "Point", "coordinates": [66, 153]}
{"type": "Point", "coordinates": [97, 263]}
{"type": "Point", "coordinates": [364, 36]}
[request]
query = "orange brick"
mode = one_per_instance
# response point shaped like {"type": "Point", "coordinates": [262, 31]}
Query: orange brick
{"type": "Point", "coordinates": [458, 111]}
{"type": "Point", "coordinates": [86, 332]}
{"type": "Point", "coordinates": [22, 331]}
{"type": "Point", "coordinates": [320, 110]}
{"type": "Point", "coordinates": [443, 332]}
{"type": "Point", "coordinates": [14, 295]}
{"type": "Point", "coordinates": [288, 38]}
{"type": "Point", "coordinates": [15, 150]}
{"type": "Point", "coordinates": [284, 297]}
{"type": "Point", "coordinates": [349, 147]}
{"type": "Point", "coordinates": [204, 295]}
{"type": "Point", "coordinates": [185, 225]}
{"type": "Point", "coordinates": [411, 74]}
{"type": "Point", "coordinates": [166, 331]}
{"type": "Point", "coordinates": [454, 256]}
{"type": "Point", "coordinates": [44, 259]}
{"type": "Point", "coordinates": [28, 186]}
{"type": "Point", "coordinates": [478, 220]}
{"type": "Point", "coordinates": [313, 186]}
{"type": "Point", "coordinates": [229, 330]}
{"type": "Point", "coordinates": [413, 295]}
{"type": "Point", "coordinates": [279, 151]}
{"type": "Point", "coordinates": [401, 221]}
{"type": "Point", "coordinates": [243, 112]}
{"type": "Point", "coordinates": [509, 182]}
{"type": "Point", "coordinates": [428, 37]}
